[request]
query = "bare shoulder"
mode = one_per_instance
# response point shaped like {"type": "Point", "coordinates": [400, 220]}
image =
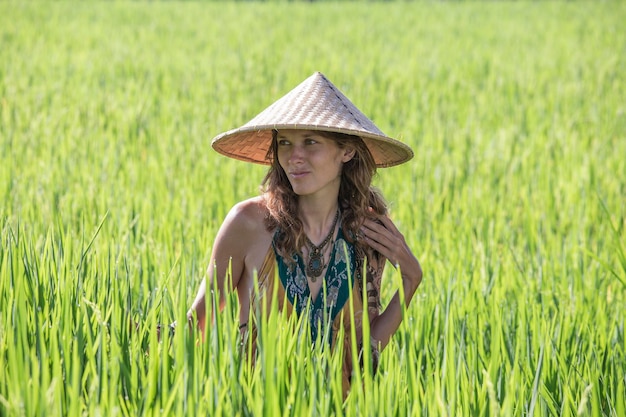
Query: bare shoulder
{"type": "Point", "coordinates": [249, 214]}
{"type": "Point", "coordinates": [243, 240]}
{"type": "Point", "coordinates": [247, 218]}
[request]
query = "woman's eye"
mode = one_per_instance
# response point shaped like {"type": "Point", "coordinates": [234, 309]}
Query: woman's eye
{"type": "Point", "coordinates": [283, 142]}
{"type": "Point", "coordinates": [311, 142]}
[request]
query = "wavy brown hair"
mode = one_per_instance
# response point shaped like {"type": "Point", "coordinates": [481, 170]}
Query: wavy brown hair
{"type": "Point", "coordinates": [356, 196]}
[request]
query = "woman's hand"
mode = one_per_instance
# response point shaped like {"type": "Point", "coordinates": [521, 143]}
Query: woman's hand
{"type": "Point", "coordinates": [383, 236]}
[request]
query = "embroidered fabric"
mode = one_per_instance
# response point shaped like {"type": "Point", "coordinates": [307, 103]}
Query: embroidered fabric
{"type": "Point", "coordinates": [326, 319]}
{"type": "Point", "coordinates": [335, 291]}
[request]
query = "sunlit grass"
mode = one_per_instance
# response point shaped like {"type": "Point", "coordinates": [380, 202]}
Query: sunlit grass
{"type": "Point", "coordinates": [514, 204]}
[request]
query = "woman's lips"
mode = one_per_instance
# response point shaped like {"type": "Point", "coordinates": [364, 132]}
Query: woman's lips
{"type": "Point", "coordinates": [298, 174]}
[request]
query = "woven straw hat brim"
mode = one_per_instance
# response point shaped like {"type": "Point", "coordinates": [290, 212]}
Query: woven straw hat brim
{"type": "Point", "coordinates": [252, 143]}
{"type": "Point", "coordinates": [316, 104]}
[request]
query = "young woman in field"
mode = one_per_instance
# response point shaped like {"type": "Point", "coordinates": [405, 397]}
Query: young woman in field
{"type": "Point", "coordinates": [318, 222]}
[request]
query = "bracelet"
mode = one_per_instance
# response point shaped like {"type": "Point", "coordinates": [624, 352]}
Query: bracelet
{"type": "Point", "coordinates": [171, 327]}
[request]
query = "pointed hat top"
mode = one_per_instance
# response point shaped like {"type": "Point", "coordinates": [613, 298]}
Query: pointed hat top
{"type": "Point", "coordinates": [315, 104]}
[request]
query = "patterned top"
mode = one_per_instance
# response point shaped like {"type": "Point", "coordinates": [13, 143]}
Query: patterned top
{"type": "Point", "coordinates": [333, 295]}
{"type": "Point", "coordinates": [293, 296]}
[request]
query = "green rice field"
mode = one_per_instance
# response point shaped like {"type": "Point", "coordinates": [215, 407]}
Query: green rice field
{"type": "Point", "coordinates": [515, 204]}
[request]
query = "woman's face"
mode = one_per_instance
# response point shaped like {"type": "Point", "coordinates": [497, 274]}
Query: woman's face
{"type": "Point", "coordinates": [312, 162]}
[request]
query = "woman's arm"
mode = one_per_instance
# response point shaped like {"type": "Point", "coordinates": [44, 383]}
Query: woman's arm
{"type": "Point", "coordinates": [385, 238]}
{"type": "Point", "coordinates": [228, 256]}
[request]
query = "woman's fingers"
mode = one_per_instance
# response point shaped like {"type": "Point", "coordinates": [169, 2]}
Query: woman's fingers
{"type": "Point", "coordinates": [384, 237]}
{"type": "Point", "coordinates": [389, 225]}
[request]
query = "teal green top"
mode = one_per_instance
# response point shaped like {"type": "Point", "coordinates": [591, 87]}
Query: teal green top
{"type": "Point", "coordinates": [321, 311]}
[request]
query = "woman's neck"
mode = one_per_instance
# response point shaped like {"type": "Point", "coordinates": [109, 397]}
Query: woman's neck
{"type": "Point", "coordinates": [317, 217]}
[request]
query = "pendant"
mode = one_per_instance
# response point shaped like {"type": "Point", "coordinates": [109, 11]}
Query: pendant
{"type": "Point", "coordinates": [315, 265]}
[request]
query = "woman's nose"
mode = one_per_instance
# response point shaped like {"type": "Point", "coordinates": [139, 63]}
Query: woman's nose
{"type": "Point", "coordinates": [296, 154]}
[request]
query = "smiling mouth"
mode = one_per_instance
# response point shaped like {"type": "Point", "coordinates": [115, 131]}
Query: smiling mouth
{"type": "Point", "coordinates": [298, 174]}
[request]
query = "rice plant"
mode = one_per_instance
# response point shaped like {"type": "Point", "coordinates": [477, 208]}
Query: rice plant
{"type": "Point", "coordinates": [514, 204]}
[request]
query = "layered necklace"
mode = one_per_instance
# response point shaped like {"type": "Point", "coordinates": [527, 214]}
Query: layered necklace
{"type": "Point", "coordinates": [316, 265]}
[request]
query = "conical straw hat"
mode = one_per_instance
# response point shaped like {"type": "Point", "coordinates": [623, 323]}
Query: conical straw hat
{"type": "Point", "coordinates": [315, 104]}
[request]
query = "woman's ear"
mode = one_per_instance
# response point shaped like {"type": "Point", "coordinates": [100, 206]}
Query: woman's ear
{"type": "Point", "coordinates": [348, 154]}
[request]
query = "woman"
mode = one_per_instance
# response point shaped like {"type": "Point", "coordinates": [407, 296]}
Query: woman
{"type": "Point", "coordinates": [317, 221]}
